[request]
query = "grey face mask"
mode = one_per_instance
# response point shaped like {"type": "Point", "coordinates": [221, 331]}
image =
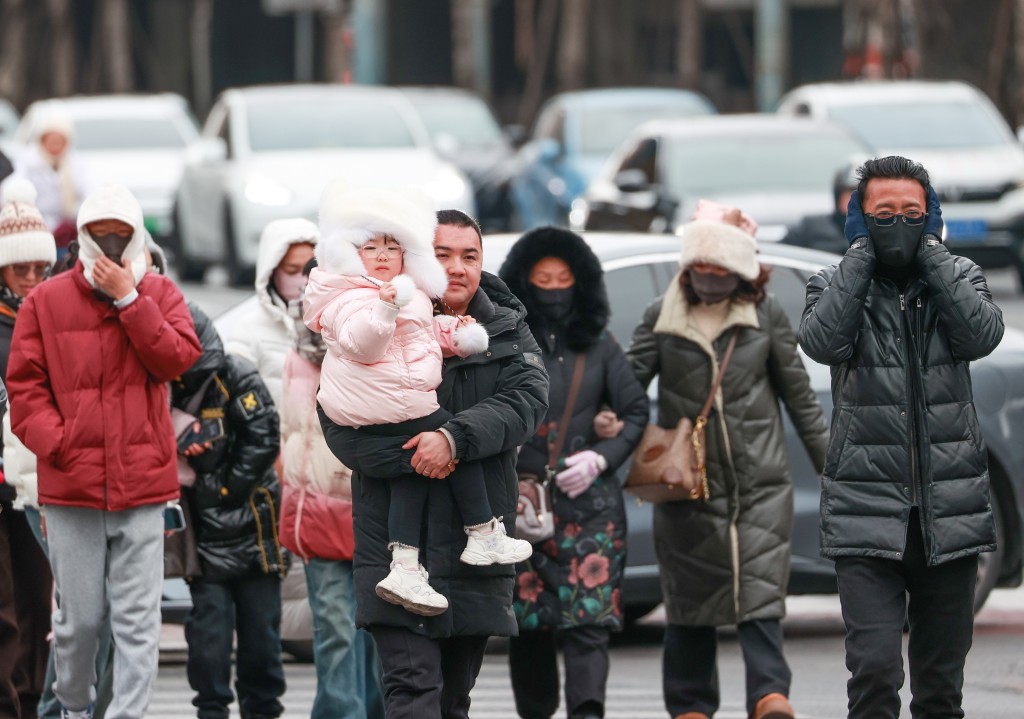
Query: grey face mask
{"type": "Point", "coordinates": [711, 289]}
{"type": "Point", "coordinates": [896, 245]}
{"type": "Point", "coordinates": [112, 245]}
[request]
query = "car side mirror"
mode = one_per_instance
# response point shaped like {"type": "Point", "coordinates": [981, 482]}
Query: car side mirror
{"type": "Point", "coordinates": [515, 134]}
{"type": "Point", "coordinates": [210, 151]}
{"type": "Point", "coordinates": [446, 143]}
{"type": "Point", "coordinates": [632, 181]}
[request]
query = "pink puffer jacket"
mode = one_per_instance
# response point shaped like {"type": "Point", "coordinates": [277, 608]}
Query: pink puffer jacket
{"type": "Point", "coordinates": [316, 504]}
{"type": "Point", "coordinates": [383, 363]}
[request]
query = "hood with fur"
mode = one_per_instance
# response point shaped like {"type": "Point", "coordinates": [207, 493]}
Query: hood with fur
{"type": "Point", "coordinates": [721, 244]}
{"type": "Point", "coordinates": [590, 309]}
{"type": "Point", "coordinates": [278, 236]}
{"type": "Point", "coordinates": [112, 202]}
{"type": "Point", "coordinates": [349, 216]}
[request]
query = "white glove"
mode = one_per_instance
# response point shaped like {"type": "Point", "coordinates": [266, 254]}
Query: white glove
{"type": "Point", "coordinates": [583, 469]}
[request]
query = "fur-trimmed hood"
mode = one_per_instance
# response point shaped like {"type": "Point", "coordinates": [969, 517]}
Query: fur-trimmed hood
{"type": "Point", "coordinates": [590, 309]}
{"type": "Point", "coordinates": [349, 216]}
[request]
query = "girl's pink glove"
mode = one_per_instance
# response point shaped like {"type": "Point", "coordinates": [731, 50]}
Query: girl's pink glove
{"type": "Point", "coordinates": [583, 469]}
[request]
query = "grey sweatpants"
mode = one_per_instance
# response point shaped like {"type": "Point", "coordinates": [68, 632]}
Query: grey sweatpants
{"type": "Point", "coordinates": [100, 558]}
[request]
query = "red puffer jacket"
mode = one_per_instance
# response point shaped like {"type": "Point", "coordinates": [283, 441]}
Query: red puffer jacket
{"type": "Point", "coordinates": [89, 383]}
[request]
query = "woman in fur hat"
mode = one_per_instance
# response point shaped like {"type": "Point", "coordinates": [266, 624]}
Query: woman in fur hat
{"type": "Point", "coordinates": [383, 367]}
{"type": "Point", "coordinates": [571, 583]}
{"type": "Point", "coordinates": [725, 560]}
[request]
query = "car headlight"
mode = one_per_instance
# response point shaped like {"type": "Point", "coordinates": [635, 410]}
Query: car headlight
{"type": "Point", "coordinates": [447, 186]}
{"type": "Point", "coordinates": [261, 190]}
{"type": "Point", "coordinates": [579, 211]}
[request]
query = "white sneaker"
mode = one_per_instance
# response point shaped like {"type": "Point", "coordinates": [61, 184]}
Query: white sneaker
{"type": "Point", "coordinates": [494, 547]}
{"type": "Point", "coordinates": [84, 714]}
{"type": "Point", "coordinates": [410, 589]}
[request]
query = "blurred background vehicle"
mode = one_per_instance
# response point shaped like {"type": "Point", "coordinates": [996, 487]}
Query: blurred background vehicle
{"type": "Point", "coordinates": [777, 169]}
{"type": "Point", "coordinates": [267, 152]}
{"type": "Point", "coordinates": [138, 141]}
{"type": "Point", "coordinates": [574, 134]}
{"type": "Point", "coordinates": [975, 161]}
{"type": "Point", "coordinates": [465, 132]}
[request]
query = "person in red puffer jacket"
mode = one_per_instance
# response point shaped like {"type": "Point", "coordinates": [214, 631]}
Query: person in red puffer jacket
{"type": "Point", "coordinates": [316, 525]}
{"type": "Point", "coordinates": [92, 353]}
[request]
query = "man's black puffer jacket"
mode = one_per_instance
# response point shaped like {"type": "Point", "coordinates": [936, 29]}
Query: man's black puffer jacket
{"type": "Point", "coordinates": [897, 356]}
{"type": "Point", "coordinates": [235, 497]}
{"type": "Point", "coordinates": [499, 398]}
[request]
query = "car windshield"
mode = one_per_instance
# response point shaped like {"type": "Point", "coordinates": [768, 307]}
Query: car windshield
{"type": "Point", "coordinates": [694, 166]}
{"type": "Point", "coordinates": [923, 125]}
{"type": "Point", "coordinates": [467, 119]}
{"type": "Point", "coordinates": [312, 123]}
{"type": "Point", "coordinates": [129, 133]}
{"type": "Point", "coordinates": [602, 129]}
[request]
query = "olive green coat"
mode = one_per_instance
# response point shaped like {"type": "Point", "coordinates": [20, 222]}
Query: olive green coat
{"type": "Point", "coordinates": [727, 560]}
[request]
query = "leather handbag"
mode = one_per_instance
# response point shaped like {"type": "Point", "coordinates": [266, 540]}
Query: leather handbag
{"type": "Point", "coordinates": [535, 516]}
{"type": "Point", "coordinates": [670, 465]}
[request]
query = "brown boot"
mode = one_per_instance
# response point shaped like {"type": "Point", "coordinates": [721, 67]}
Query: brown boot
{"type": "Point", "coordinates": [692, 715]}
{"type": "Point", "coordinates": [773, 706]}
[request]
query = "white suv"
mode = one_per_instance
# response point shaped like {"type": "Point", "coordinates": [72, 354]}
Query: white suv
{"type": "Point", "coordinates": [975, 161]}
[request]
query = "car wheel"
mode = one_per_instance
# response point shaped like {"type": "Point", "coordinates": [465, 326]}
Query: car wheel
{"type": "Point", "coordinates": [238, 274]}
{"type": "Point", "coordinates": [301, 650]}
{"type": "Point", "coordinates": [990, 564]}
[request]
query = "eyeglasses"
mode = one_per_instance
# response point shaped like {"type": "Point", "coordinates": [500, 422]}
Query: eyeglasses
{"type": "Point", "coordinates": [39, 269]}
{"type": "Point", "coordinates": [373, 250]}
{"type": "Point", "coordinates": [888, 219]}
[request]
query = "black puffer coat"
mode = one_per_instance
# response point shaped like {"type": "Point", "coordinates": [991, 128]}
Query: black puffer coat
{"type": "Point", "coordinates": [896, 357]}
{"type": "Point", "coordinates": [499, 398]}
{"type": "Point", "coordinates": [727, 560]}
{"type": "Point", "coordinates": [236, 494]}
{"type": "Point", "coordinates": [574, 578]}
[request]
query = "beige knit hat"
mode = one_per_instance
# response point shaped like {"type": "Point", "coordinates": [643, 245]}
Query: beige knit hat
{"type": "Point", "coordinates": [718, 243]}
{"type": "Point", "coordinates": [24, 236]}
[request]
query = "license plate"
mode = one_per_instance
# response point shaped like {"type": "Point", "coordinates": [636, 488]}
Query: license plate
{"type": "Point", "coordinates": [967, 230]}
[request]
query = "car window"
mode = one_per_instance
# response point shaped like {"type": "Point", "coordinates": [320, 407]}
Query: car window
{"type": "Point", "coordinates": [924, 124]}
{"type": "Point", "coordinates": [126, 133]}
{"type": "Point", "coordinates": [551, 125]}
{"type": "Point", "coordinates": [630, 290]}
{"type": "Point", "coordinates": [789, 287]}
{"type": "Point", "coordinates": [321, 122]}
{"type": "Point", "coordinates": [602, 129]}
{"type": "Point", "coordinates": [467, 119]}
{"type": "Point", "coordinates": [643, 157]}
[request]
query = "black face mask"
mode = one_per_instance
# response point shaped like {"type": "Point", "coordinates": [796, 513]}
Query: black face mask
{"type": "Point", "coordinates": [711, 289]}
{"type": "Point", "coordinates": [112, 245]}
{"type": "Point", "coordinates": [556, 305]}
{"type": "Point", "coordinates": [896, 246]}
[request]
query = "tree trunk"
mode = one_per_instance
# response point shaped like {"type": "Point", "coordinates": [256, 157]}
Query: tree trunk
{"type": "Point", "coordinates": [63, 35]}
{"type": "Point", "coordinates": [573, 46]}
{"type": "Point", "coordinates": [13, 56]}
{"type": "Point", "coordinates": [202, 83]}
{"type": "Point", "coordinates": [689, 49]}
{"type": "Point", "coordinates": [337, 48]}
{"type": "Point", "coordinates": [117, 44]}
{"type": "Point", "coordinates": [1018, 28]}
{"type": "Point", "coordinates": [537, 71]}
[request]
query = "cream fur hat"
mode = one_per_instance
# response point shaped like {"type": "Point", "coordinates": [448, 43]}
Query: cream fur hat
{"type": "Point", "coordinates": [349, 216]}
{"type": "Point", "coordinates": [718, 243]}
{"type": "Point", "coordinates": [24, 236]}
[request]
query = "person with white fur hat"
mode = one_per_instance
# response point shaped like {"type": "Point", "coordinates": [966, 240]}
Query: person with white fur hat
{"type": "Point", "coordinates": [725, 560]}
{"type": "Point", "coordinates": [27, 252]}
{"type": "Point", "coordinates": [370, 297]}
{"type": "Point", "coordinates": [92, 353]}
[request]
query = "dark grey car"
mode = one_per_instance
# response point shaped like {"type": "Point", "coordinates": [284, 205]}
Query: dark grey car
{"type": "Point", "coordinates": [638, 268]}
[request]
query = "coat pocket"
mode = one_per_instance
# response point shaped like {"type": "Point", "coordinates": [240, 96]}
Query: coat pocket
{"type": "Point", "coordinates": [840, 428]}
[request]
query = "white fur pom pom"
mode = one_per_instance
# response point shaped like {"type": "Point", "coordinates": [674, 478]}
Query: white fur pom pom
{"type": "Point", "coordinates": [18, 189]}
{"type": "Point", "coordinates": [405, 290]}
{"type": "Point", "coordinates": [471, 339]}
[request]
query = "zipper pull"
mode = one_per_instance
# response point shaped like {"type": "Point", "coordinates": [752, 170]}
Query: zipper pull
{"type": "Point", "coordinates": [903, 304]}
{"type": "Point", "coordinates": [918, 303]}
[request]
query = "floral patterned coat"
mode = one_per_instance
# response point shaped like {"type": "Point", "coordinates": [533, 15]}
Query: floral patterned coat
{"type": "Point", "coordinates": [573, 578]}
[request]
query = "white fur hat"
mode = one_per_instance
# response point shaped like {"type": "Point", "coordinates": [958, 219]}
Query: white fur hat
{"type": "Point", "coordinates": [24, 236]}
{"type": "Point", "coordinates": [718, 243]}
{"type": "Point", "coordinates": [349, 216]}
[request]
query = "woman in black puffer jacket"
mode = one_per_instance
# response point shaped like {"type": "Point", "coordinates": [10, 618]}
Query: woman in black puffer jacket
{"type": "Point", "coordinates": [233, 504]}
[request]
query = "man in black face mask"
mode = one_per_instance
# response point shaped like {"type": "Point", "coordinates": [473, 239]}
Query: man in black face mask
{"type": "Point", "coordinates": [905, 491]}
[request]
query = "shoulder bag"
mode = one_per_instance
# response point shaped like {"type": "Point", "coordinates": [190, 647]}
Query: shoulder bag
{"type": "Point", "coordinates": [535, 517]}
{"type": "Point", "coordinates": [670, 465]}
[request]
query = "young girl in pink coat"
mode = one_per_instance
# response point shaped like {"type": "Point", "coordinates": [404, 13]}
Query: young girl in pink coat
{"type": "Point", "coordinates": [370, 300]}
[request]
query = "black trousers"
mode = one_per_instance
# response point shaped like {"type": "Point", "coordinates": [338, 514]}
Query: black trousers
{"type": "Point", "coordinates": [874, 596]}
{"type": "Point", "coordinates": [427, 678]}
{"type": "Point", "coordinates": [252, 607]}
{"type": "Point", "coordinates": [533, 665]}
{"type": "Point", "coordinates": [409, 491]}
{"type": "Point", "coordinates": [690, 665]}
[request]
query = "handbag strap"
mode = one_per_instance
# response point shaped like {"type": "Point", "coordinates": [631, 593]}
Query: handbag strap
{"type": "Point", "coordinates": [555, 448]}
{"type": "Point", "coordinates": [704, 413]}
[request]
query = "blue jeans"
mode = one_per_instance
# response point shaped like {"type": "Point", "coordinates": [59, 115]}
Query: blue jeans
{"type": "Point", "coordinates": [347, 667]}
